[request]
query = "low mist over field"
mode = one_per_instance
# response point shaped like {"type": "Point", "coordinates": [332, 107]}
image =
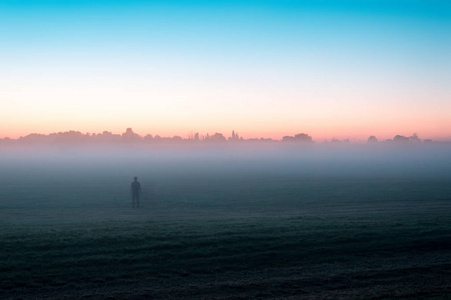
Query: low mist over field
{"type": "Point", "coordinates": [68, 176]}
{"type": "Point", "coordinates": [370, 159]}
{"type": "Point", "coordinates": [226, 220]}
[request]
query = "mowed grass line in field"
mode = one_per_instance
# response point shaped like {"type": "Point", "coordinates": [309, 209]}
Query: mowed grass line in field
{"type": "Point", "coordinates": [40, 258]}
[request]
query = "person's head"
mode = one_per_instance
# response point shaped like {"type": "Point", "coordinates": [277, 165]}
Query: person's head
{"type": "Point", "coordinates": [135, 178]}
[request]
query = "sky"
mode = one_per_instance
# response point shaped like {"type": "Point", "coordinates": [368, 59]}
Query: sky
{"type": "Point", "coordinates": [331, 69]}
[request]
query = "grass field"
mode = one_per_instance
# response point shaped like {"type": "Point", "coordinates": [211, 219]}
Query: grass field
{"type": "Point", "coordinates": [228, 231]}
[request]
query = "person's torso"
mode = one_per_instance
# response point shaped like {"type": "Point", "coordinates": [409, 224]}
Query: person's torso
{"type": "Point", "coordinates": [135, 186]}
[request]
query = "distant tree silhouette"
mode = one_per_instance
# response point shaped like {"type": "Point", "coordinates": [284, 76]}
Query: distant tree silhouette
{"type": "Point", "coordinates": [217, 137]}
{"type": "Point", "coordinates": [288, 138]}
{"type": "Point", "coordinates": [35, 138]}
{"type": "Point", "coordinates": [7, 141]}
{"type": "Point", "coordinates": [235, 136]}
{"type": "Point", "coordinates": [107, 136]}
{"type": "Point", "coordinates": [414, 138]}
{"type": "Point", "coordinates": [403, 139]}
{"type": "Point", "coordinates": [400, 139]}
{"type": "Point", "coordinates": [372, 139]}
{"type": "Point", "coordinates": [68, 137]}
{"type": "Point", "coordinates": [302, 137]}
{"type": "Point", "coordinates": [148, 138]}
{"type": "Point", "coordinates": [76, 137]}
{"type": "Point", "coordinates": [129, 136]}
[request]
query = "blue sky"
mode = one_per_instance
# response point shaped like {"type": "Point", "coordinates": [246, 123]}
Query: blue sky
{"type": "Point", "coordinates": [332, 68]}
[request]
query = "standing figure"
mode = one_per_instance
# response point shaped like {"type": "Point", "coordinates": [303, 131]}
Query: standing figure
{"type": "Point", "coordinates": [135, 191]}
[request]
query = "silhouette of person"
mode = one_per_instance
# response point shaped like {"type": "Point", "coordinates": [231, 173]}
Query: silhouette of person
{"type": "Point", "coordinates": [135, 191]}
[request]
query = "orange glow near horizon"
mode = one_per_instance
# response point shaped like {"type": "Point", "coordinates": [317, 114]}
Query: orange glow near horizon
{"type": "Point", "coordinates": [263, 72]}
{"type": "Point", "coordinates": [89, 100]}
{"type": "Point", "coordinates": [253, 107]}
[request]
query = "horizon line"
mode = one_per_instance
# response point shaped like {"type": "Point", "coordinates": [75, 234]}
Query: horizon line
{"type": "Point", "coordinates": [130, 136]}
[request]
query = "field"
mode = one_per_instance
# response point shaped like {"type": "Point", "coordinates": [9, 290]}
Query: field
{"type": "Point", "coordinates": [228, 229]}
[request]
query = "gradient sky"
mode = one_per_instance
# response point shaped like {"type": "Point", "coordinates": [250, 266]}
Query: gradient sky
{"type": "Point", "coordinates": [343, 69]}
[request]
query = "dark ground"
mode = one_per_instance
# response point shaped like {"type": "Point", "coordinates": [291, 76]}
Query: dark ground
{"type": "Point", "coordinates": [271, 234]}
